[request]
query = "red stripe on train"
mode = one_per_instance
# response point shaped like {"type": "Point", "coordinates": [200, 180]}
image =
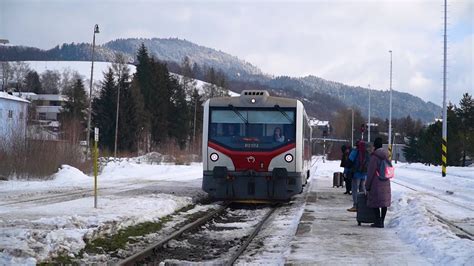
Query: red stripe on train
{"type": "Point", "coordinates": [255, 160]}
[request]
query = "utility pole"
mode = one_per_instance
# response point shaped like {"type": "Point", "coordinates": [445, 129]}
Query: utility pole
{"type": "Point", "coordinates": [117, 118]}
{"type": "Point", "coordinates": [390, 113]}
{"type": "Point", "coordinates": [96, 30]}
{"type": "Point", "coordinates": [368, 126]}
{"type": "Point", "coordinates": [444, 144]}
{"type": "Point", "coordinates": [352, 128]}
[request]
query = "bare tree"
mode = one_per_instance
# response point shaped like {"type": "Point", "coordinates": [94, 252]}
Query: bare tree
{"type": "Point", "coordinates": [6, 74]}
{"type": "Point", "coordinates": [51, 80]}
{"type": "Point", "coordinates": [19, 70]}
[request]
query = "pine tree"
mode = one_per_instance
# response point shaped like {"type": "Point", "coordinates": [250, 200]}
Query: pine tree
{"type": "Point", "coordinates": [196, 111]}
{"type": "Point", "coordinates": [32, 83]}
{"type": "Point", "coordinates": [103, 110]}
{"type": "Point", "coordinates": [411, 150]}
{"type": "Point", "coordinates": [73, 114]}
{"type": "Point", "coordinates": [178, 121]}
{"type": "Point", "coordinates": [465, 114]}
{"type": "Point", "coordinates": [159, 98]}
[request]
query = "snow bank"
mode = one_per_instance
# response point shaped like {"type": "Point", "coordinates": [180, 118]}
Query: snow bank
{"type": "Point", "coordinates": [31, 241]}
{"type": "Point", "coordinates": [416, 225]}
{"type": "Point", "coordinates": [41, 219]}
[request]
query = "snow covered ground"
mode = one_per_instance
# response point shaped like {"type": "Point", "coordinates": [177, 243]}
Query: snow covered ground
{"type": "Point", "coordinates": [40, 219]}
{"type": "Point", "coordinates": [84, 69]}
{"type": "Point", "coordinates": [423, 224]}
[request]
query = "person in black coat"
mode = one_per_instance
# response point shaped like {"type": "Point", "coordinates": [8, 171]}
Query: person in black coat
{"type": "Point", "coordinates": [346, 164]}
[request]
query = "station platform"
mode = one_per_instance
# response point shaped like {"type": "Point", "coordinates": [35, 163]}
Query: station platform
{"type": "Point", "coordinates": [329, 235]}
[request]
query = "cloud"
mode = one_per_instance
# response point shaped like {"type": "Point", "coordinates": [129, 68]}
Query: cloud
{"type": "Point", "coordinates": [345, 41]}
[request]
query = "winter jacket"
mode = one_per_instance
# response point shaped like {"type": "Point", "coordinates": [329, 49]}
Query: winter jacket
{"type": "Point", "coordinates": [359, 171]}
{"type": "Point", "coordinates": [379, 191]}
{"type": "Point", "coordinates": [345, 163]}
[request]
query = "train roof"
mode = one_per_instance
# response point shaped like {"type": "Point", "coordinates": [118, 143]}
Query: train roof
{"type": "Point", "coordinates": [254, 98]}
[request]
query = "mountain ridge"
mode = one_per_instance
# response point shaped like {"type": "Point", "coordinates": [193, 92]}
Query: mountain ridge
{"type": "Point", "coordinates": [173, 50]}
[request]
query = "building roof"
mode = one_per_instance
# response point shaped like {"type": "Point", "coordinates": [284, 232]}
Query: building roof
{"type": "Point", "coordinates": [44, 97]}
{"type": "Point", "coordinates": [315, 122]}
{"type": "Point", "coordinates": [4, 95]}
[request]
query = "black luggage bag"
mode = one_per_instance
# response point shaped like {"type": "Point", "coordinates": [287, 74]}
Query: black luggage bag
{"type": "Point", "coordinates": [364, 213]}
{"type": "Point", "coordinates": [338, 179]}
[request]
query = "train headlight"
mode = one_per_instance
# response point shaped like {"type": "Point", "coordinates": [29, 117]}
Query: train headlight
{"type": "Point", "coordinates": [214, 157]}
{"type": "Point", "coordinates": [253, 100]}
{"type": "Point", "coordinates": [288, 158]}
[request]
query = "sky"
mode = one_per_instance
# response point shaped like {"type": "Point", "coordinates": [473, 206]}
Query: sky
{"type": "Point", "coordinates": [340, 40]}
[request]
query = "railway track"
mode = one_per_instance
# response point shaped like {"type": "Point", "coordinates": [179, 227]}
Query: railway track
{"type": "Point", "coordinates": [432, 195]}
{"type": "Point", "coordinates": [457, 229]}
{"type": "Point", "coordinates": [196, 238]}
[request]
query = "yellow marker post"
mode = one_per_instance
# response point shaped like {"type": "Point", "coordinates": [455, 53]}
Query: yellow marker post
{"type": "Point", "coordinates": [96, 167]}
{"type": "Point", "coordinates": [390, 152]}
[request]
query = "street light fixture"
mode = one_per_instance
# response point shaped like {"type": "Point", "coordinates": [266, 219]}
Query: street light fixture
{"type": "Point", "coordinates": [96, 30]}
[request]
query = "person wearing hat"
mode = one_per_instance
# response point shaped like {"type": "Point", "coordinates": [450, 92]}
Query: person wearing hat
{"type": "Point", "coordinates": [379, 191]}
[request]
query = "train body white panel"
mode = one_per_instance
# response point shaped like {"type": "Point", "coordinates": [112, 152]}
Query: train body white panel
{"type": "Point", "coordinates": [223, 160]}
{"type": "Point", "coordinates": [205, 133]}
{"type": "Point", "coordinates": [279, 161]}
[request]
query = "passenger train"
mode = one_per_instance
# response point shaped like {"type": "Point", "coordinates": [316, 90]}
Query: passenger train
{"type": "Point", "coordinates": [256, 147]}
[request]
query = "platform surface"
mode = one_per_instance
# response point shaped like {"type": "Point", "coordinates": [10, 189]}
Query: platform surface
{"type": "Point", "coordinates": [329, 235]}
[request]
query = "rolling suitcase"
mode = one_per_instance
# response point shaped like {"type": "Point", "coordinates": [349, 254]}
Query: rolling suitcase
{"type": "Point", "coordinates": [336, 180]}
{"type": "Point", "coordinates": [364, 213]}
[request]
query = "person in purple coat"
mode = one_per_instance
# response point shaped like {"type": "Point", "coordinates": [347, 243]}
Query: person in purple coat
{"type": "Point", "coordinates": [379, 192]}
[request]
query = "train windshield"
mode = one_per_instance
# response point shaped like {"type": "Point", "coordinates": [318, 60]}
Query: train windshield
{"type": "Point", "coordinates": [252, 129]}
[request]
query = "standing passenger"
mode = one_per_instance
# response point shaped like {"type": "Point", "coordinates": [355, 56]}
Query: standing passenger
{"type": "Point", "coordinates": [359, 158]}
{"type": "Point", "coordinates": [379, 191]}
{"type": "Point", "coordinates": [346, 164]}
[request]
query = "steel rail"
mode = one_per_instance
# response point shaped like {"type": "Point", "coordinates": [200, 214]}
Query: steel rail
{"type": "Point", "coordinates": [150, 250]}
{"type": "Point", "coordinates": [249, 239]}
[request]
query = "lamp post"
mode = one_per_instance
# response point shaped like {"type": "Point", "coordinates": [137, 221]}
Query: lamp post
{"type": "Point", "coordinates": [368, 126]}
{"type": "Point", "coordinates": [390, 113]}
{"type": "Point", "coordinates": [352, 128]}
{"type": "Point", "coordinates": [96, 30]}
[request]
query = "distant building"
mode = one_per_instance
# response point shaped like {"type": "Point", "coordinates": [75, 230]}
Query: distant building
{"type": "Point", "coordinates": [13, 117]}
{"type": "Point", "coordinates": [320, 128]}
{"type": "Point", "coordinates": [45, 123]}
{"type": "Point", "coordinates": [48, 106]}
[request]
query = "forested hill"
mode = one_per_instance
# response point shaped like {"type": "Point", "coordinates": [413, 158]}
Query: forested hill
{"type": "Point", "coordinates": [241, 74]}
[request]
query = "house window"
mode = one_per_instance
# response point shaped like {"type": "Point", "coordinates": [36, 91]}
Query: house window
{"type": "Point", "coordinates": [21, 115]}
{"type": "Point", "coordinates": [42, 116]}
{"type": "Point", "coordinates": [10, 113]}
{"type": "Point", "coordinates": [1, 113]}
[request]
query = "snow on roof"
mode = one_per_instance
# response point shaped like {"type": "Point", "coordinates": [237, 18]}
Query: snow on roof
{"type": "Point", "coordinates": [4, 95]}
{"type": "Point", "coordinates": [315, 122]}
{"type": "Point", "coordinates": [45, 97]}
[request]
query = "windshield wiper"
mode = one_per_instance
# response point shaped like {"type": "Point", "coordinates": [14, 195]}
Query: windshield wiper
{"type": "Point", "coordinates": [239, 114]}
{"type": "Point", "coordinates": [283, 113]}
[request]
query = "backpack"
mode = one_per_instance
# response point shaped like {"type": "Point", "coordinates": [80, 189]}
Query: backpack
{"type": "Point", "coordinates": [357, 166]}
{"type": "Point", "coordinates": [386, 171]}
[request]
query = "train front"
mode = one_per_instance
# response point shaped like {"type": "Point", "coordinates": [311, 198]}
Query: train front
{"type": "Point", "coordinates": [252, 147]}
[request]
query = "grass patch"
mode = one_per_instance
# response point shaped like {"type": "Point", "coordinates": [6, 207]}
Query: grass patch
{"type": "Point", "coordinates": [59, 260]}
{"type": "Point", "coordinates": [119, 241]}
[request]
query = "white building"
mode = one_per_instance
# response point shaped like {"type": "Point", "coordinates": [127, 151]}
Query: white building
{"type": "Point", "coordinates": [48, 106]}
{"type": "Point", "coordinates": [13, 117]}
